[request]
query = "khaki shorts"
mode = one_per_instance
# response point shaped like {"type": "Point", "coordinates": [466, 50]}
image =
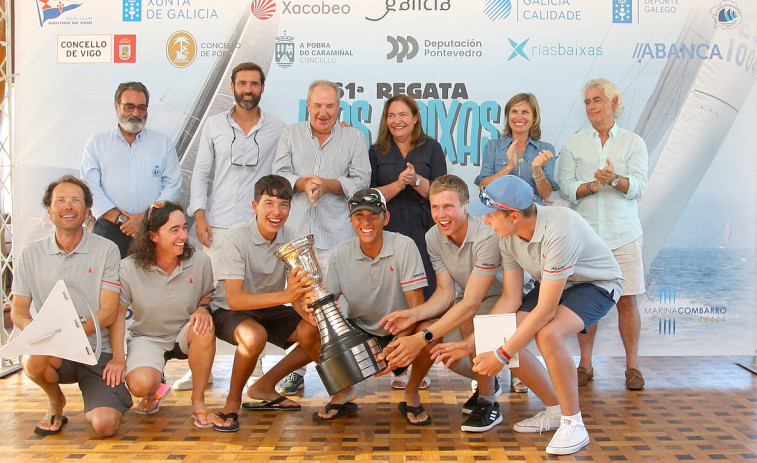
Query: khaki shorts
{"type": "Point", "coordinates": [628, 257]}
{"type": "Point", "coordinates": [483, 309]}
{"type": "Point", "coordinates": [144, 351]}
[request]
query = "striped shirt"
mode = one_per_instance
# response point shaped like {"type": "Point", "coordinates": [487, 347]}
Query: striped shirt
{"type": "Point", "coordinates": [344, 157]}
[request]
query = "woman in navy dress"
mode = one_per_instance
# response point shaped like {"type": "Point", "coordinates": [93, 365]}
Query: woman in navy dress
{"type": "Point", "coordinates": [404, 162]}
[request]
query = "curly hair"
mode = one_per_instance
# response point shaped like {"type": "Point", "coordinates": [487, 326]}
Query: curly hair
{"type": "Point", "coordinates": [143, 247]}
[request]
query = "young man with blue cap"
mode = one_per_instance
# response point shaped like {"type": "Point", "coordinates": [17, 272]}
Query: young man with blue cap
{"type": "Point", "coordinates": [578, 282]}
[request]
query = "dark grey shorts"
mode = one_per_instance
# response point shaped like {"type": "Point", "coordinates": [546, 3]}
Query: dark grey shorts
{"type": "Point", "coordinates": [94, 390]}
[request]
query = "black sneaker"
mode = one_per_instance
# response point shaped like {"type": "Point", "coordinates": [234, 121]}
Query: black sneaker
{"type": "Point", "coordinates": [472, 402]}
{"type": "Point", "coordinates": [483, 418]}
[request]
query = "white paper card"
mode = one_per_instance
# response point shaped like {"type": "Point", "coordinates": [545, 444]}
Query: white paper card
{"type": "Point", "coordinates": [492, 331]}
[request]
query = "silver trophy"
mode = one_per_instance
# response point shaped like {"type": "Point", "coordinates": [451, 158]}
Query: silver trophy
{"type": "Point", "coordinates": [348, 356]}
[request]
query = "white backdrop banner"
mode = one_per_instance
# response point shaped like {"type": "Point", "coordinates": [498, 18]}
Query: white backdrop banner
{"type": "Point", "coordinates": [686, 69]}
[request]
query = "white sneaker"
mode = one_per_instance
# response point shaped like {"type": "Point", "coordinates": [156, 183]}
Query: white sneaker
{"type": "Point", "coordinates": [542, 421]}
{"type": "Point", "coordinates": [257, 373]}
{"type": "Point", "coordinates": [185, 382]}
{"type": "Point", "coordinates": [570, 437]}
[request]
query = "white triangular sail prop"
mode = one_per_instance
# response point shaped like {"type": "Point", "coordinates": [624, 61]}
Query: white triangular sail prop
{"type": "Point", "coordinates": [55, 331]}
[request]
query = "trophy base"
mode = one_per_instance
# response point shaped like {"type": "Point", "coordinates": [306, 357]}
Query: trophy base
{"type": "Point", "coordinates": [351, 365]}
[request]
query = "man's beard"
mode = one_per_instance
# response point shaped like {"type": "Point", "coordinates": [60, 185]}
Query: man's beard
{"type": "Point", "coordinates": [132, 124]}
{"type": "Point", "coordinates": [247, 105]}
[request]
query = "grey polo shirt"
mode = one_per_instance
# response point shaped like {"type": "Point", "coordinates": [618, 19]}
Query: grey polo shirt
{"type": "Point", "coordinates": [375, 287]}
{"type": "Point", "coordinates": [563, 246]}
{"type": "Point", "coordinates": [478, 254]}
{"type": "Point", "coordinates": [247, 255]}
{"type": "Point", "coordinates": [163, 303]}
{"type": "Point", "coordinates": [88, 269]}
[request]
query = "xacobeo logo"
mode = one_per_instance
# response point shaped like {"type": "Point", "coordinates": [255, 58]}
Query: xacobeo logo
{"type": "Point", "coordinates": [402, 47]}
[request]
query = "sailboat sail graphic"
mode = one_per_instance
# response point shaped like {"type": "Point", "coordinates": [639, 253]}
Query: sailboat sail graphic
{"type": "Point", "coordinates": [689, 115]}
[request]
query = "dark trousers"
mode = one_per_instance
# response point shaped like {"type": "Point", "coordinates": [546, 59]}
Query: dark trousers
{"type": "Point", "coordinates": [108, 229]}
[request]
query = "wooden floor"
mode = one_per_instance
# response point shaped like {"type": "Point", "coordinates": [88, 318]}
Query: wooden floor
{"type": "Point", "coordinates": [693, 409]}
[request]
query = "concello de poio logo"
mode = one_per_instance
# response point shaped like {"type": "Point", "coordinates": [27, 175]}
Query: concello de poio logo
{"type": "Point", "coordinates": [181, 49]}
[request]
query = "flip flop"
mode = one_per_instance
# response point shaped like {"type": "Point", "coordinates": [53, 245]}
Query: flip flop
{"type": "Point", "coordinates": [233, 427]}
{"type": "Point", "coordinates": [400, 382]}
{"type": "Point", "coordinates": [405, 409]}
{"type": "Point", "coordinates": [153, 403]}
{"type": "Point", "coordinates": [274, 404]}
{"type": "Point", "coordinates": [51, 418]}
{"type": "Point", "coordinates": [199, 417]}
{"type": "Point", "coordinates": [347, 408]}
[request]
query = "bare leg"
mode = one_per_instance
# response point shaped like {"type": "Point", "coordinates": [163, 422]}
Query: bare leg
{"type": "Point", "coordinates": [202, 351]}
{"type": "Point", "coordinates": [104, 420]}
{"type": "Point", "coordinates": [586, 346]}
{"type": "Point", "coordinates": [420, 367]}
{"type": "Point", "coordinates": [42, 370]}
{"type": "Point", "coordinates": [250, 338]}
{"type": "Point", "coordinates": [629, 325]}
{"type": "Point", "coordinates": [551, 341]}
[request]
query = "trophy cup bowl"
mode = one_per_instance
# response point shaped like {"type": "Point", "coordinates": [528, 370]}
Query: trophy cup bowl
{"type": "Point", "coordinates": [348, 355]}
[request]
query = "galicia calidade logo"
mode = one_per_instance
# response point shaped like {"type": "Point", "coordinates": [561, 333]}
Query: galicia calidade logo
{"type": "Point", "coordinates": [621, 11]}
{"type": "Point", "coordinates": [181, 49]}
{"type": "Point", "coordinates": [402, 47]}
{"type": "Point", "coordinates": [284, 50]}
{"type": "Point", "coordinates": [497, 9]}
{"type": "Point", "coordinates": [518, 49]}
{"type": "Point", "coordinates": [132, 10]}
{"type": "Point", "coordinates": [47, 12]}
{"type": "Point", "coordinates": [263, 9]}
{"type": "Point", "coordinates": [727, 15]}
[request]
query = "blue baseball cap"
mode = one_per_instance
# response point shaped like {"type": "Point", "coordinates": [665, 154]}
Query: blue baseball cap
{"type": "Point", "coordinates": [506, 193]}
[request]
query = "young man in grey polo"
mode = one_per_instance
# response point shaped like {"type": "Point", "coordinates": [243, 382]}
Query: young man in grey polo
{"type": "Point", "coordinates": [465, 252]}
{"type": "Point", "coordinates": [377, 272]}
{"type": "Point", "coordinates": [250, 305]}
{"type": "Point", "coordinates": [88, 264]}
{"type": "Point", "coordinates": [579, 281]}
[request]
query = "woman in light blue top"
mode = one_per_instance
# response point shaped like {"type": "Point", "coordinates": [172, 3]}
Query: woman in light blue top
{"type": "Point", "coordinates": [519, 151]}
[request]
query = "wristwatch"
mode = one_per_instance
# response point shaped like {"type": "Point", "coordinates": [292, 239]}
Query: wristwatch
{"type": "Point", "coordinates": [615, 181]}
{"type": "Point", "coordinates": [417, 180]}
{"type": "Point", "coordinates": [121, 219]}
{"type": "Point", "coordinates": [428, 336]}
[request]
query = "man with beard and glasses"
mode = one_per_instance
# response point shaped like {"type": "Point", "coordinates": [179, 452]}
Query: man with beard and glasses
{"type": "Point", "coordinates": [128, 168]}
{"type": "Point", "coordinates": [239, 146]}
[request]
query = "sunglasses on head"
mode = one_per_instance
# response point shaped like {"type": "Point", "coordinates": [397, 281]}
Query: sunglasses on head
{"type": "Point", "coordinates": [489, 202]}
{"type": "Point", "coordinates": [155, 205]}
{"type": "Point", "coordinates": [369, 199]}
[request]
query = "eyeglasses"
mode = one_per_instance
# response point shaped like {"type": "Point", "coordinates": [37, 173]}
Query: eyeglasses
{"type": "Point", "coordinates": [244, 154]}
{"type": "Point", "coordinates": [129, 108]}
{"type": "Point", "coordinates": [369, 199]}
{"type": "Point", "coordinates": [489, 202]}
{"type": "Point", "coordinates": [155, 205]}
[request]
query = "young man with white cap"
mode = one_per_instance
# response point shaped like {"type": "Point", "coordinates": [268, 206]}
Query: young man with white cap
{"type": "Point", "coordinates": [578, 282]}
